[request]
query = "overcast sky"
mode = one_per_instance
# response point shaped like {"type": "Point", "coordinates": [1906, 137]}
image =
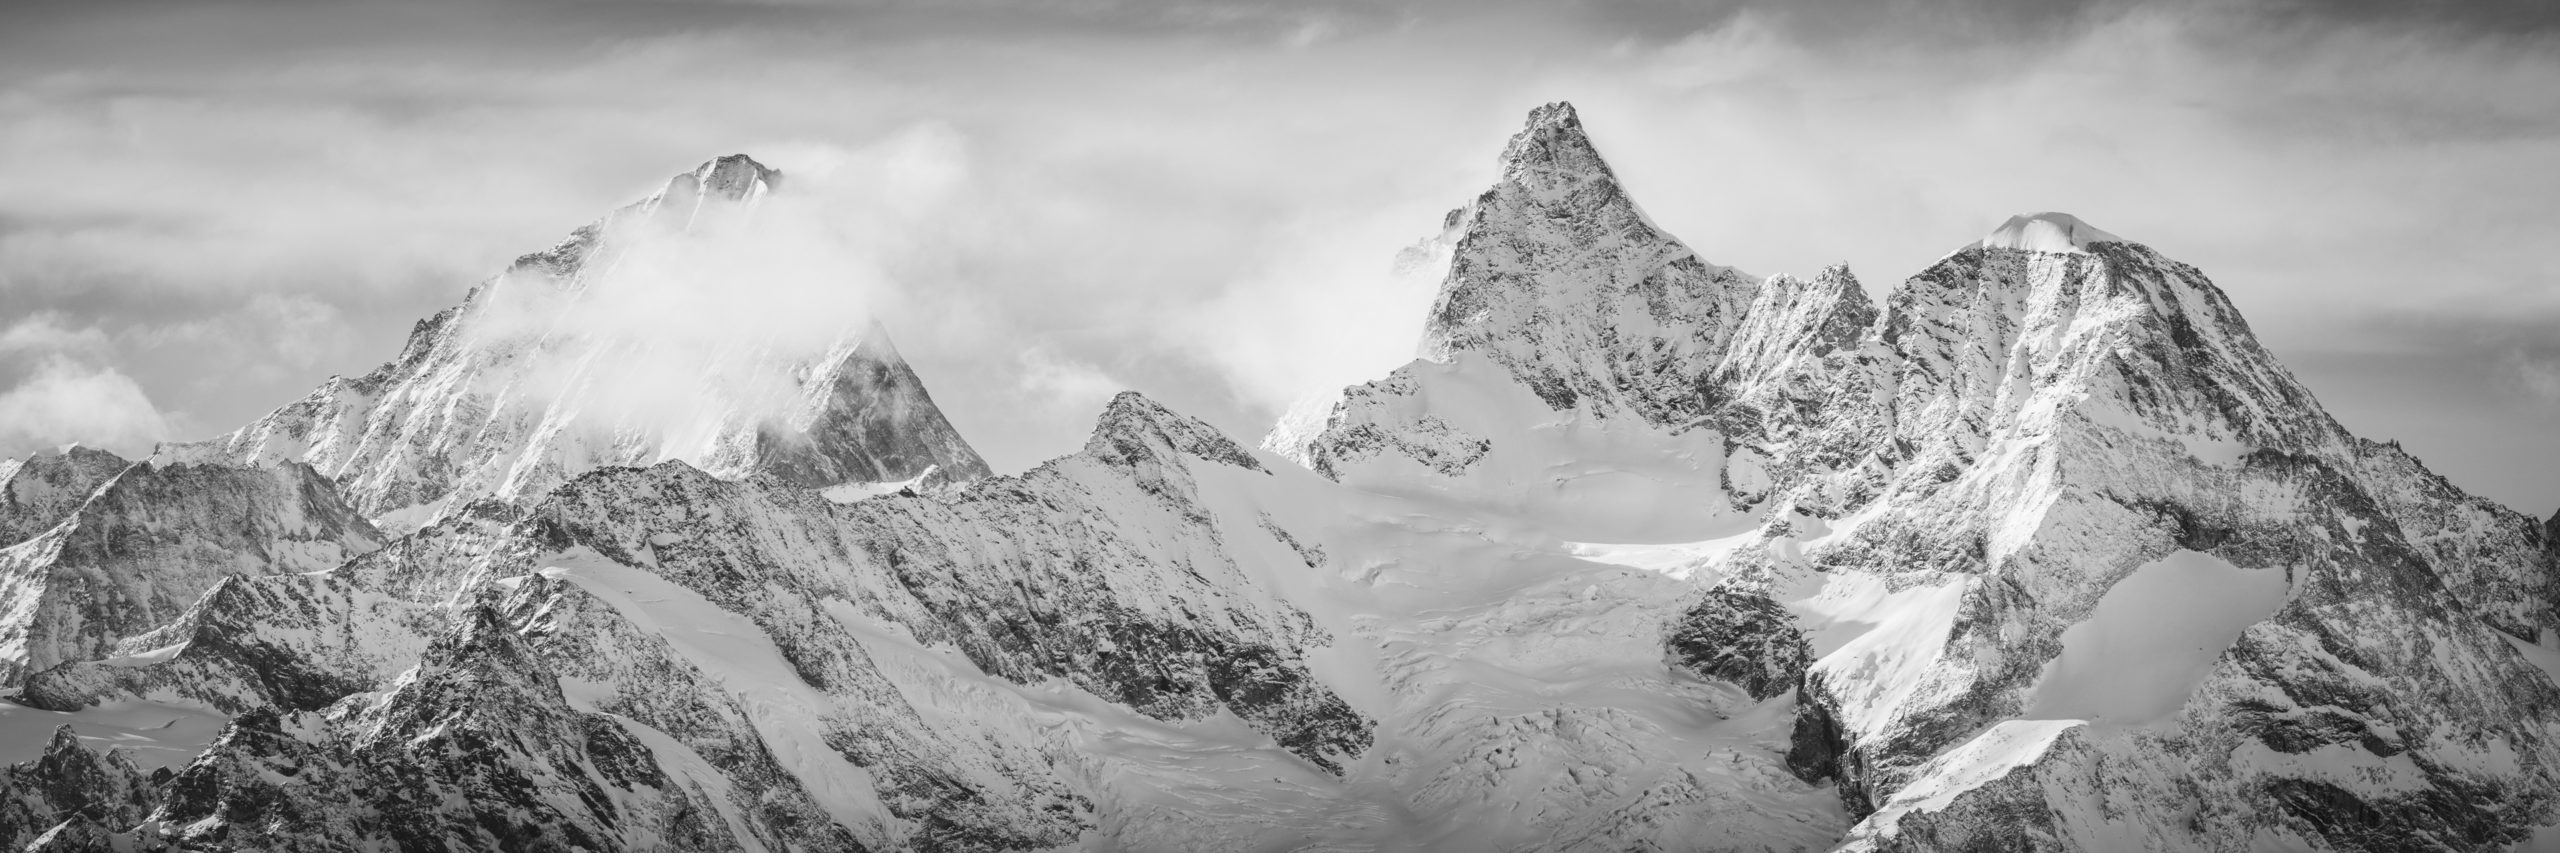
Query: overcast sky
{"type": "Point", "coordinates": [207, 207]}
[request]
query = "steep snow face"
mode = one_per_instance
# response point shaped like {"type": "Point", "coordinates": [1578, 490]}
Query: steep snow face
{"type": "Point", "coordinates": [540, 374]}
{"type": "Point", "coordinates": [2046, 232]}
{"type": "Point", "coordinates": [138, 552]}
{"type": "Point", "coordinates": [1560, 279]}
{"type": "Point", "coordinates": [41, 490]}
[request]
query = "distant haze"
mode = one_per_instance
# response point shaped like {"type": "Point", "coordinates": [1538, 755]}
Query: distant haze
{"type": "Point", "coordinates": [211, 206]}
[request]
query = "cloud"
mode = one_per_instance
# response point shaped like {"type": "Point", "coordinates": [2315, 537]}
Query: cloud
{"type": "Point", "coordinates": [64, 401]}
{"type": "Point", "coordinates": [274, 333]}
{"type": "Point", "coordinates": [1059, 383]}
{"type": "Point", "coordinates": [2537, 374]}
{"type": "Point", "coordinates": [65, 394]}
{"type": "Point", "coordinates": [44, 333]}
{"type": "Point", "coordinates": [1324, 305]}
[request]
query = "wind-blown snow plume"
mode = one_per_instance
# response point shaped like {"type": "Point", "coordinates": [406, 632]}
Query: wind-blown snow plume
{"type": "Point", "coordinates": [723, 321]}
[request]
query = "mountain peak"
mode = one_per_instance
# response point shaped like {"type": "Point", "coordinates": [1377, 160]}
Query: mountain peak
{"type": "Point", "coordinates": [39, 491]}
{"type": "Point", "coordinates": [868, 419]}
{"type": "Point", "coordinates": [1558, 276]}
{"type": "Point", "coordinates": [1132, 424]}
{"type": "Point", "coordinates": [875, 345]}
{"type": "Point", "coordinates": [736, 177]}
{"type": "Point", "coordinates": [2048, 231]}
{"type": "Point", "coordinates": [1553, 141]}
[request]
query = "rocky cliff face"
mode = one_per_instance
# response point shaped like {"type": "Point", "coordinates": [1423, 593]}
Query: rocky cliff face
{"type": "Point", "coordinates": [150, 541]}
{"type": "Point", "coordinates": [1561, 278]}
{"type": "Point", "coordinates": [41, 490]}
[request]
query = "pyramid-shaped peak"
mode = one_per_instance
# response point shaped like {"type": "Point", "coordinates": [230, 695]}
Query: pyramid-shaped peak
{"type": "Point", "coordinates": [874, 343]}
{"type": "Point", "coordinates": [1132, 424]}
{"type": "Point", "coordinates": [1552, 141]}
{"type": "Point", "coordinates": [2047, 232]}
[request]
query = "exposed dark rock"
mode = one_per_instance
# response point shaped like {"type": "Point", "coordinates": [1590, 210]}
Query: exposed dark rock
{"type": "Point", "coordinates": [69, 782]}
{"type": "Point", "coordinates": [1745, 638]}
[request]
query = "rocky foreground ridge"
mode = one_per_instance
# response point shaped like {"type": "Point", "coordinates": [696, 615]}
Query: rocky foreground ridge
{"type": "Point", "coordinates": [2041, 551]}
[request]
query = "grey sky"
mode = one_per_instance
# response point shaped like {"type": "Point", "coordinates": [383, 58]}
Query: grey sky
{"type": "Point", "coordinates": [210, 206]}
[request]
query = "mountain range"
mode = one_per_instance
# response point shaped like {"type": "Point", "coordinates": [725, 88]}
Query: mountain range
{"type": "Point", "coordinates": [2040, 551]}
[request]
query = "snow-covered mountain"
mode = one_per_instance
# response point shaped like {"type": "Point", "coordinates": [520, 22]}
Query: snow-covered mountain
{"type": "Point", "coordinates": [2078, 564]}
{"type": "Point", "coordinates": [37, 492]}
{"type": "Point", "coordinates": [2042, 551]}
{"type": "Point", "coordinates": [153, 538]}
{"type": "Point", "coordinates": [522, 387]}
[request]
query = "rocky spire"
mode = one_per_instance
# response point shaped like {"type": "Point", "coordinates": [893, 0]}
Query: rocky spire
{"type": "Point", "coordinates": [1553, 151]}
{"type": "Point", "coordinates": [1559, 277]}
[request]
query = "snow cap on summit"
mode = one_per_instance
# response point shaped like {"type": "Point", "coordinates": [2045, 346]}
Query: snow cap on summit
{"type": "Point", "coordinates": [736, 177]}
{"type": "Point", "coordinates": [2047, 232]}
